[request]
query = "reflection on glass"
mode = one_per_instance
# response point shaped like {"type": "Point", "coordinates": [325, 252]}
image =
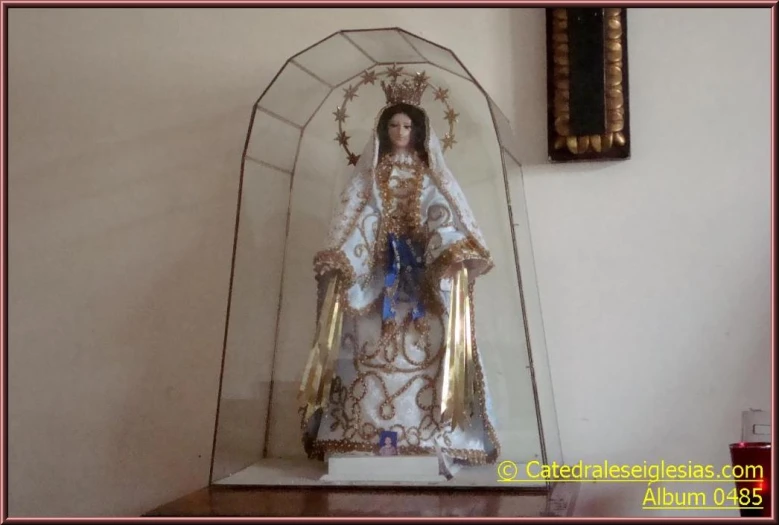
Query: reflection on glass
{"type": "Point", "coordinates": [436, 55]}
{"type": "Point", "coordinates": [334, 60]}
{"type": "Point", "coordinates": [384, 46]}
{"type": "Point", "coordinates": [505, 133]}
{"type": "Point", "coordinates": [253, 306]}
{"type": "Point", "coordinates": [294, 95]}
{"type": "Point", "coordinates": [532, 304]}
{"type": "Point", "coordinates": [273, 142]}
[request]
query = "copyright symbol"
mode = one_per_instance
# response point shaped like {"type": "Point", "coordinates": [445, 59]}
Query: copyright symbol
{"type": "Point", "coordinates": [507, 471]}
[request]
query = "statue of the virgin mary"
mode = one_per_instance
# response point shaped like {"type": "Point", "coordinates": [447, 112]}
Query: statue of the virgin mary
{"type": "Point", "coordinates": [395, 347]}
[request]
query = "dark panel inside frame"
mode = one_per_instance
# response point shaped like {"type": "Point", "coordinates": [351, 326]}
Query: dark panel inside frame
{"type": "Point", "coordinates": [585, 57]}
{"type": "Point", "coordinates": [588, 117]}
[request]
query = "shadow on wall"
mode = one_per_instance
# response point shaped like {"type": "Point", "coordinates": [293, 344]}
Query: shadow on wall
{"type": "Point", "coordinates": [122, 263]}
{"type": "Point", "coordinates": [528, 70]}
{"type": "Point", "coordinates": [164, 428]}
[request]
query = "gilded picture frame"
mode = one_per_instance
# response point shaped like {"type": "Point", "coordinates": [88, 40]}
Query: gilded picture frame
{"type": "Point", "coordinates": [587, 84]}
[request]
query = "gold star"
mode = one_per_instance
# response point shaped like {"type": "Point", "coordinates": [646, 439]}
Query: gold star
{"type": "Point", "coordinates": [421, 78]}
{"type": "Point", "coordinates": [369, 77]}
{"type": "Point", "coordinates": [441, 94]}
{"type": "Point", "coordinates": [451, 116]}
{"type": "Point", "coordinates": [353, 159]}
{"type": "Point", "coordinates": [394, 72]}
{"type": "Point", "coordinates": [449, 141]}
{"type": "Point", "coordinates": [342, 138]}
{"type": "Point", "coordinates": [351, 92]}
{"type": "Point", "coordinates": [340, 114]}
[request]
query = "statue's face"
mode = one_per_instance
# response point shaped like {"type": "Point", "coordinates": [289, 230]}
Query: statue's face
{"type": "Point", "coordinates": [400, 127]}
{"type": "Point", "coordinates": [388, 441]}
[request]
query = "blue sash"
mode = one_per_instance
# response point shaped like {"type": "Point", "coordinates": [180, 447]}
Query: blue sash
{"type": "Point", "coordinates": [405, 269]}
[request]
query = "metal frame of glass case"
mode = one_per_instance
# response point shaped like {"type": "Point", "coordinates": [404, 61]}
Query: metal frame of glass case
{"type": "Point", "coordinates": [248, 449]}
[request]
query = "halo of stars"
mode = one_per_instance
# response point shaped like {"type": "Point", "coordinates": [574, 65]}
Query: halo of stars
{"type": "Point", "coordinates": [370, 77]}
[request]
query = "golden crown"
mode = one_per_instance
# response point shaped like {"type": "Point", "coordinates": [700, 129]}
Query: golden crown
{"type": "Point", "coordinates": [407, 92]}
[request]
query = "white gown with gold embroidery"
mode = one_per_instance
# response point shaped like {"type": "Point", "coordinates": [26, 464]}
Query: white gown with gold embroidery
{"type": "Point", "coordinates": [388, 372]}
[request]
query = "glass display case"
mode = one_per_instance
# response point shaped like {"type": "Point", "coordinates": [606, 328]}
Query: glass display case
{"type": "Point", "coordinates": [305, 143]}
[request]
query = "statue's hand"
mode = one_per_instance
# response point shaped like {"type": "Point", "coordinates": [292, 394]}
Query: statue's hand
{"type": "Point", "coordinates": [452, 270]}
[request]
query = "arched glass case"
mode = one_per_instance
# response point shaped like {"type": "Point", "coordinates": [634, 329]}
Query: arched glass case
{"type": "Point", "coordinates": [307, 129]}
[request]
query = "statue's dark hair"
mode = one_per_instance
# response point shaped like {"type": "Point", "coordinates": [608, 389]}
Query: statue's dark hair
{"type": "Point", "coordinates": [418, 130]}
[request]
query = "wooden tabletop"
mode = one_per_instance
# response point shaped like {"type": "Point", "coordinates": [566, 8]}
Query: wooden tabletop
{"type": "Point", "coordinates": [256, 501]}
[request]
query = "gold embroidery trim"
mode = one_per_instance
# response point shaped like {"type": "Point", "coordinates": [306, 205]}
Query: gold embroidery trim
{"type": "Point", "coordinates": [403, 221]}
{"type": "Point", "coordinates": [458, 252]}
{"type": "Point", "coordinates": [481, 392]}
{"type": "Point", "coordinates": [353, 428]}
{"type": "Point", "coordinates": [354, 431]}
{"type": "Point", "coordinates": [438, 181]}
{"type": "Point", "coordinates": [335, 261]}
{"type": "Point", "coordinates": [364, 197]}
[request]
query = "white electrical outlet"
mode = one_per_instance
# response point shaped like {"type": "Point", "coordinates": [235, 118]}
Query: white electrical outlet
{"type": "Point", "coordinates": [755, 426]}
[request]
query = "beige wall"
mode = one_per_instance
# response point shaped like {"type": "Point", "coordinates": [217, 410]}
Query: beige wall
{"type": "Point", "coordinates": [655, 273]}
{"type": "Point", "coordinates": [126, 131]}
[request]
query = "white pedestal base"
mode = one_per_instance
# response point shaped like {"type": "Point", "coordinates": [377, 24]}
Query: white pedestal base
{"type": "Point", "coordinates": [378, 468]}
{"type": "Point", "coordinates": [302, 472]}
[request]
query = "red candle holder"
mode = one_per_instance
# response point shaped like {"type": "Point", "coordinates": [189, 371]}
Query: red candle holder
{"type": "Point", "coordinates": [751, 464]}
